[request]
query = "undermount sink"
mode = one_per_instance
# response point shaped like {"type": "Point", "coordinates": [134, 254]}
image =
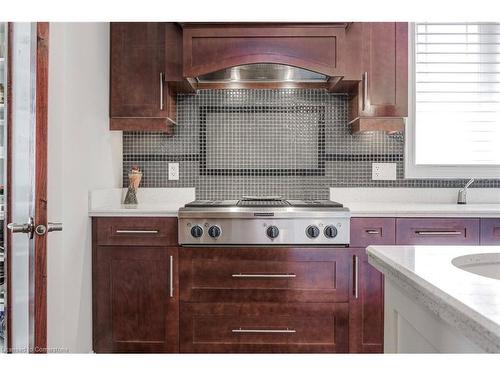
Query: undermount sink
{"type": "Point", "coordinates": [487, 265]}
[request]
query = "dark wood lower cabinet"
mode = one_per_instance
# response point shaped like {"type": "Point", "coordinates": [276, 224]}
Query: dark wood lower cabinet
{"type": "Point", "coordinates": [135, 299]}
{"type": "Point", "coordinates": [264, 300]}
{"type": "Point", "coordinates": [249, 300]}
{"type": "Point", "coordinates": [264, 327]}
{"type": "Point", "coordinates": [366, 307]}
{"type": "Point", "coordinates": [490, 231]}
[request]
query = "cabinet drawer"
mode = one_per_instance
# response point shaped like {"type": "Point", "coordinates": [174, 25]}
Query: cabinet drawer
{"type": "Point", "coordinates": [440, 231]}
{"type": "Point", "coordinates": [135, 231]}
{"type": "Point", "coordinates": [264, 327]}
{"type": "Point", "coordinates": [264, 274]}
{"type": "Point", "coordinates": [373, 231]}
{"type": "Point", "coordinates": [490, 231]}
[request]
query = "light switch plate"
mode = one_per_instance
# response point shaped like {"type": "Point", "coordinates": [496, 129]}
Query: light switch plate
{"type": "Point", "coordinates": [173, 171]}
{"type": "Point", "coordinates": [384, 171]}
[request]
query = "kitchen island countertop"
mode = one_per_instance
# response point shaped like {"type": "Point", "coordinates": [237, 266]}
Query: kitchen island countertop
{"type": "Point", "coordinates": [466, 301]}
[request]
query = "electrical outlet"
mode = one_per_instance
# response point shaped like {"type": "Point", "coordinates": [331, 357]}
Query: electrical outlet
{"type": "Point", "coordinates": [173, 171]}
{"type": "Point", "coordinates": [383, 171]}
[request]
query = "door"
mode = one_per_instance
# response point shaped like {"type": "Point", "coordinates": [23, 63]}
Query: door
{"type": "Point", "coordinates": [26, 188]}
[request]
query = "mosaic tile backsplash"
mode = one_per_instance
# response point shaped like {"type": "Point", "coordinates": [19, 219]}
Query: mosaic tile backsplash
{"type": "Point", "coordinates": [290, 142]}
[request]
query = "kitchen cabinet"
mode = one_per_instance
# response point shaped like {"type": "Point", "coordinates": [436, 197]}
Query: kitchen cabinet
{"type": "Point", "coordinates": [144, 65]}
{"type": "Point", "coordinates": [264, 299]}
{"type": "Point", "coordinates": [366, 303]}
{"type": "Point", "coordinates": [380, 100]}
{"type": "Point", "coordinates": [151, 296]}
{"type": "Point", "coordinates": [490, 231]}
{"type": "Point", "coordinates": [437, 231]}
{"type": "Point", "coordinates": [135, 285]}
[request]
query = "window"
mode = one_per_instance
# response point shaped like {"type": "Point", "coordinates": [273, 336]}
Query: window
{"type": "Point", "coordinates": [453, 128]}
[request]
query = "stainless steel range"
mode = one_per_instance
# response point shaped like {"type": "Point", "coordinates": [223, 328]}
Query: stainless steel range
{"type": "Point", "coordinates": [264, 221]}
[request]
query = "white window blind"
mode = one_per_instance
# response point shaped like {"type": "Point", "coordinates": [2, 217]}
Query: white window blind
{"type": "Point", "coordinates": [457, 94]}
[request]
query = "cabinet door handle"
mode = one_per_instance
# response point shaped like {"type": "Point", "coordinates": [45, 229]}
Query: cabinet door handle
{"type": "Point", "coordinates": [365, 90]}
{"type": "Point", "coordinates": [372, 231]}
{"type": "Point", "coordinates": [356, 276]}
{"type": "Point", "coordinates": [242, 330]}
{"type": "Point", "coordinates": [438, 232]}
{"type": "Point", "coordinates": [136, 231]}
{"type": "Point", "coordinates": [171, 276]}
{"type": "Point", "coordinates": [263, 275]}
{"type": "Point", "coordinates": [161, 92]}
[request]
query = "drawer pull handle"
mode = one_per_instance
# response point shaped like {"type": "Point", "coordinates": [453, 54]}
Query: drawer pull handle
{"type": "Point", "coordinates": [438, 233]}
{"type": "Point", "coordinates": [263, 275]}
{"type": "Point", "coordinates": [241, 330]}
{"type": "Point", "coordinates": [372, 231]}
{"type": "Point", "coordinates": [127, 231]}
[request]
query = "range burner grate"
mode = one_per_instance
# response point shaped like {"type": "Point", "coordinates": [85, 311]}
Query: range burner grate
{"type": "Point", "coordinates": [262, 203]}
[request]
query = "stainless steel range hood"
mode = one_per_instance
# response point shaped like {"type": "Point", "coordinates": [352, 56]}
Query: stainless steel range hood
{"type": "Point", "coordinates": [263, 73]}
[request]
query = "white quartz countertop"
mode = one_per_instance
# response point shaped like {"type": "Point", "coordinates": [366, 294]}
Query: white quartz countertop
{"type": "Point", "coordinates": [362, 202]}
{"type": "Point", "coordinates": [151, 202]}
{"type": "Point", "coordinates": [158, 210]}
{"type": "Point", "coordinates": [409, 209]}
{"type": "Point", "coordinates": [417, 202]}
{"type": "Point", "coordinates": [465, 300]}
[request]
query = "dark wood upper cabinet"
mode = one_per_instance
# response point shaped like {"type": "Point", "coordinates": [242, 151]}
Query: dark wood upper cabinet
{"type": "Point", "coordinates": [385, 59]}
{"type": "Point", "coordinates": [379, 99]}
{"type": "Point", "coordinates": [145, 65]}
{"type": "Point", "coordinates": [151, 62]}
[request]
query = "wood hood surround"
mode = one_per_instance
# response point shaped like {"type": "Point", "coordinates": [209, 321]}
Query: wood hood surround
{"type": "Point", "coordinates": [210, 48]}
{"type": "Point", "coordinates": [367, 61]}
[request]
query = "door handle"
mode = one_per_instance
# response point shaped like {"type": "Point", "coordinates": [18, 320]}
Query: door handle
{"type": "Point", "coordinates": [54, 227]}
{"type": "Point", "coordinates": [41, 229]}
{"type": "Point", "coordinates": [27, 228]}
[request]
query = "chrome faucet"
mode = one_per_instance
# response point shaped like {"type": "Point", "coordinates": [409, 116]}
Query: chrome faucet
{"type": "Point", "coordinates": [462, 193]}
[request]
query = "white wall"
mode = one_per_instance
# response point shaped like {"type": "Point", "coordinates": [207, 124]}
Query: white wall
{"type": "Point", "coordinates": [83, 155]}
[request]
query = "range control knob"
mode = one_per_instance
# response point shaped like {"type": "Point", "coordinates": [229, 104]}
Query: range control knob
{"type": "Point", "coordinates": [214, 231]}
{"type": "Point", "coordinates": [196, 231]}
{"type": "Point", "coordinates": [312, 231]}
{"type": "Point", "coordinates": [330, 231]}
{"type": "Point", "coordinates": [272, 231]}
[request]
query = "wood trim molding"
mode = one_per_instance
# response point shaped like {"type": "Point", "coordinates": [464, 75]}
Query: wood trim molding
{"type": "Point", "coordinates": [42, 73]}
{"type": "Point", "coordinates": [8, 213]}
{"type": "Point", "coordinates": [386, 124]}
{"type": "Point", "coordinates": [156, 124]}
